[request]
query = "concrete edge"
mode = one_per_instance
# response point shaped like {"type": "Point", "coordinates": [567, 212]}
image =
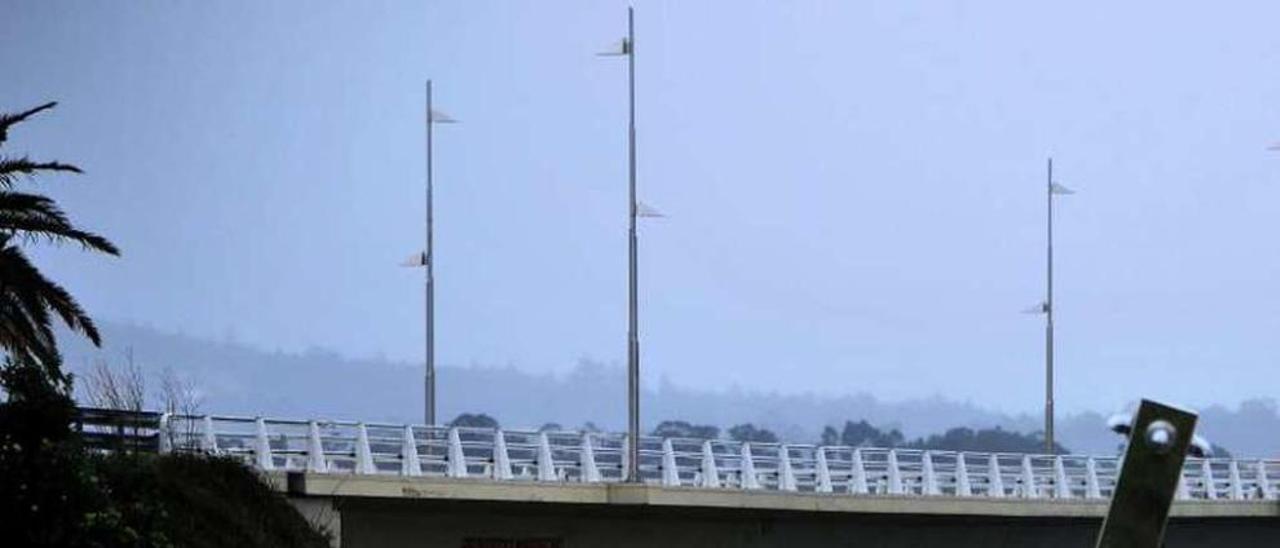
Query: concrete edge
{"type": "Point", "coordinates": [433, 488]}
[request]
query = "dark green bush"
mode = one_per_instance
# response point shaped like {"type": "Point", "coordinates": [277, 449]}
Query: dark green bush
{"type": "Point", "coordinates": [53, 492]}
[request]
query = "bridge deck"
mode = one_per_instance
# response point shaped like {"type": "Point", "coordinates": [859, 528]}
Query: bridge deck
{"type": "Point", "coordinates": [595, 459]}
{"type": "Point", "coordinates": [302, 484]}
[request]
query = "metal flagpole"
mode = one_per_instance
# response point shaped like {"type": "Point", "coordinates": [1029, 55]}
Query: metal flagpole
{"type": "Point", "coordinates": [429, 380]}
{"type": "Point", "coordinates": [633, 327]}
{"type": "Point", "coordinates": [1048, 329]}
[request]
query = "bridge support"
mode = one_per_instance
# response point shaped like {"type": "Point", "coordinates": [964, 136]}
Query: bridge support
{"type": "Point", "coordinates": [670, 473]}
{"type": "Point", "coordinates": [858, 478]}
{"type": "Point", "coordinates": [501, 459]}
{"type": "Point", "coordinates": [410, 464]}
{"type": "Point", "coordinates": [262, 447]}
{"type": "Point", "coordinates": [316, 461]}
{"type": "Point", "coordinates": [590, 473]}
{"type": "Point", "coordinates": [710, 472]}
{"type": "Point", "coordinates": [823, 480]}
{"type": "Point", "coordinates": [748, 469]}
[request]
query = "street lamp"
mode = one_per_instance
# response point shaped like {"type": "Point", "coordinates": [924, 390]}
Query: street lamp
{"type": "Point", "coordinates": [426, 260]}
{"type": "Point", "coordinates": [1053, 188]}
{"type": "Point", "coordinates": [626, 47]}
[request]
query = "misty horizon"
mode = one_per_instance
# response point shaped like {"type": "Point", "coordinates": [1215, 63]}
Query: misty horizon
{"type": "Point", "coordinates": [238, 379]}
{"type": "Point", "coordinates": [876, 231]}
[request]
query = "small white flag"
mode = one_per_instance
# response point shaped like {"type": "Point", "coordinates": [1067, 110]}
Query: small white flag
{"type": "Point", "coordinates": [645, 210]}
{"type": "Point", "coordinates": [1041, 308]}
{"type": "Point", "coordinates": [438, 117]}
{"type": "Point", "coordinates": [417, 259]}
{"type": "Point", "coordinates": [1055, 188]}
{"type": "Point", "coordinates": [622, 47]}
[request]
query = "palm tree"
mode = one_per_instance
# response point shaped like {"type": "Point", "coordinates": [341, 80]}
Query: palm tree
{"type": "Point", "coordinates": [28, 300]}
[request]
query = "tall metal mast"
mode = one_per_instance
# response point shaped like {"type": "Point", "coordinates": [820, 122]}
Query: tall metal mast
{"type": "Point", "coordinates": [429, 380]}
{"type": "Point", "coordinates": [633, 317]}
{"type": "Point", "coordinates": [1048, 328]}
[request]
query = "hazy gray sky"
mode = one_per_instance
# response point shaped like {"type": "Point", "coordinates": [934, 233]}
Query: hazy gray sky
{"type": "Point", "coordinates": [855, 190]}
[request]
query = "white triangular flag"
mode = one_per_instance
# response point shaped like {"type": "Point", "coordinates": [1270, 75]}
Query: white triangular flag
{"type": "Point", "coordinates": [622, 47]}
{"type": "Point", "coordinates": [1040, 308]}
{"type": "Point", "coordinates": [441, 118]}
{"type": "Point", "coordinates": [417, 259]}
{"type": "Point", "coordinates": [645, 210]}
{"type": "Point", "coordinates": [1055, 188]}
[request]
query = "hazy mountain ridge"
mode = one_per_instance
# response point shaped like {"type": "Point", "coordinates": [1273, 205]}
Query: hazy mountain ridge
{"type": "Point", "coordinates": [236, 379]}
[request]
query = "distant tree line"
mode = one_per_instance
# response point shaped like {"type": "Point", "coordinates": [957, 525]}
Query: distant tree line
{"type": "Point", "coordinates": [992, 440]}
{"type": "Point", "coordinates": [854, 434]}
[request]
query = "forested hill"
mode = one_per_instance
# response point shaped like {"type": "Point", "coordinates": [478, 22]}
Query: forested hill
{"type": "Point", "coordinates": [233, 378]}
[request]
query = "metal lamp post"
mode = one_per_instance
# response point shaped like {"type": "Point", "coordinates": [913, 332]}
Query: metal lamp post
{"type": "Point", "coordinates": [1052, 188]}
{"type": "Point", "coordinates": [426, 259]}
{"type": "Point", "coordinates": [627, 48]}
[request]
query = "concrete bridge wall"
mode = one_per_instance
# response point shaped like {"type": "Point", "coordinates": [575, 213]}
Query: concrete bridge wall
{"type": "Point", "coordinates": [383, 524]}
{"type": "Point", "coordinates": [433, 512]}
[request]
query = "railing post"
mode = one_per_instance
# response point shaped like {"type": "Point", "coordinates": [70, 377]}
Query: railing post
{"type": "Point", "coordinates": [995, 479]}
{"type": "Point", "coordinates": [710, 472]}
{"type": "Point", "coordinates": [670, 474]}
{"type": "Point", "coordinates": [749, 479]}
{"type": "Point", "coordinates": [590, 474]}
{"type": "Point", "coordinates": [1206, 478]}
{"type": "Point", "coordinates": [410, 464]}
{"type": "Point", "coordinates": [1233, 477]}
{"type": "Point", "coordinates": [930, 479]}
{"type": "Point", "coordinates": [1028, 478]}
{"type": "Point", "coordinates": [164, 443]}
{"type": "Point", "coordinates": [824, 471]}
{"type": "Point", "coordinates": [895, 475]}
{"type": "Point", "coordinates": [546, 464]}
{"type": "Point", "coordinates": [858, 476]}
{"type": "Point", "coordinates": [963, 487]}
{"type": "Point", "coordinates": [315, 450]}
{"type": "Point", "coordinates": [1264, 485]}
{"type": "Point", "coordinates": [626, 456]}
{"type": "Point", "coordinates": [1091, 488]}
{"type": "Point", "coordinates": [262, 447]}
{"type": "Point", "coordinates": [1061, 489]}
{"type": "Point", "coordinates": [501, 459]}
{"type": "Point", "coordinates": [786, 476]}
{"type": "Point", "coordinates": [457, 463]}
{"type": "Point", "coordinates": [1183, 492]}
{"type": "Point", "coordinates": [364, 454]}
{"type": "Point", "coordinates": [208, 438]}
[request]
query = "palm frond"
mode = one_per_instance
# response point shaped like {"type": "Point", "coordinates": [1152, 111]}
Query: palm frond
{"type": "Point", "coordinates": [33, 216]}
{"type": "Point", "coordinates": [8, 120]}
{"type": "Point", "coordinates": [23, 333]}
{"type": "Point", "coordinates": [27, 299]}
{"type": "Point", "coordinates": [11, 169]}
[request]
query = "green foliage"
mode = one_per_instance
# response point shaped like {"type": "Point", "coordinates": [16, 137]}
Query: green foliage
{"type": "Point", "coordinates": [682, 429]}
{"type": "Point", "coordinates": [474, 420]}
{"type": "Point", "coordinates": [749, 432]}
{"type": "Point", "coordinates": [29, 301]}
{"type": "Point", "coordinates": [48, 492]}
{"type": "Point", "coordinates": [54, 493]}
{"type": "Point", "coordinates": [992, 440]}
{"type": "Point", "coordinates": [863, 434]}
{"type": "Point", "coordinates": [197, 501]}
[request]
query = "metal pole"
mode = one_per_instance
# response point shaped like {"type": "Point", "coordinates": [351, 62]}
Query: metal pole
{"type": "Point", "coordinates": [1048, 329]}
{"type": "Point", "coordinates": [429, 380]}
{"type": "Point", "coordinates": [633, 327]}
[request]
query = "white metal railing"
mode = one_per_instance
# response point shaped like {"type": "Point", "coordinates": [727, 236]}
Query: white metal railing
{"type": "Point", "coordinates": [595, 457]}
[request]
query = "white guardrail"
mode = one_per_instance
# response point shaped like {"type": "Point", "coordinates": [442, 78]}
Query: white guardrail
{"type": "Point", "coordinates": [593, 457]}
